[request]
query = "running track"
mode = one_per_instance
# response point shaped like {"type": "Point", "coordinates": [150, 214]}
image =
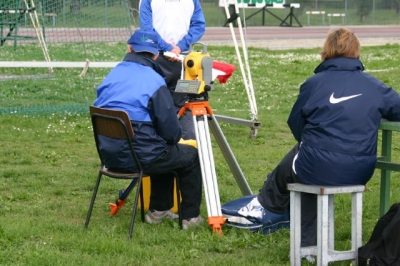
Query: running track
{"type": "Point", "coordinates": [298, 37]}
{"type": "Point", "coordinates": [266, 36]}
{"type": "Point", "coordinates": [272, 33]}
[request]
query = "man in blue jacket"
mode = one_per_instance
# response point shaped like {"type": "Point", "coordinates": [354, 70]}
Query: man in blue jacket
{"type": "Point", "coordinates": [178, 23]}
{"type": "Point", "coordinates": [335, 121]}
{"type": "Point", "coordinates": [137, 86]}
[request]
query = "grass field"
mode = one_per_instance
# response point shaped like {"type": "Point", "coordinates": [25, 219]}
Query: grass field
{"type": "Point", "coordinates": [49, 164]}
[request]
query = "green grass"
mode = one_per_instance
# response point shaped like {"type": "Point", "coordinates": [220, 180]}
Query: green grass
{"type": "Point", "coordinates": [49, 165]}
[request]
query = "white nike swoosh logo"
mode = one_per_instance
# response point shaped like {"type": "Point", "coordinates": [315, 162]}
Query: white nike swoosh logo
{"type": "Point", "coordinates": [334, 100]}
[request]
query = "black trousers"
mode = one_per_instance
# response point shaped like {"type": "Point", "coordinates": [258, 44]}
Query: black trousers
{"type": "Point", "coordinates": [172, 72]}
{"type": "Point", "coordinates": [183, 159]}
{"type": "Point", "coordinates": [275, 197]}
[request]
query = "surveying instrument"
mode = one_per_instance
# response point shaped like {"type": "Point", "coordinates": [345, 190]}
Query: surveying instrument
{"type": "Point", "coordinates": [196, 83]}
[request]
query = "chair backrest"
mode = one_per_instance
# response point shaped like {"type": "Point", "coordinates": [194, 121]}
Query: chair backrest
{"type": "Point", "coordinates": [113, 124]}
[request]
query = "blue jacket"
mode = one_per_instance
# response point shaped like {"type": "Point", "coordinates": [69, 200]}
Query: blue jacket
{"type": "Point", "coordinates": [136, 86]}
{"type": "Point", "coordinates": [336, 119]}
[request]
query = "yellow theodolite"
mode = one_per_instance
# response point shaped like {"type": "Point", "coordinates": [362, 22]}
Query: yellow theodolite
{"type": "Point", "coordinates": [197, 79]}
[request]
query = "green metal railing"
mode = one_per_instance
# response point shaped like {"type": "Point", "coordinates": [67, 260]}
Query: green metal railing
{"type": "Point", "coordinates": [385, 163]}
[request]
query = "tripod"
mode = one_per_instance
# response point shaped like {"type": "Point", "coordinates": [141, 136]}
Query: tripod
{"type": "Point", "coordinates": [196, 82]}
{"type": "Point", "coordinates": [202, 114]}
{"type": "Point", "coordinates": [290, 16]}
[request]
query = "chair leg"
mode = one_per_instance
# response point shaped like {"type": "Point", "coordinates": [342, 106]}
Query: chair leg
{"type": "Point", "coordinates": [178, 200]}
{"type": "Point", "coordinates": [141, 202]}
{"type": "Point", "coordinates": [356, 223]}
{"type": "Point", "coordinates": [295, 228]}
{"type": "Point", "coordinates": [323, 230]}
{"type": "Point", "coordinates": [135, 205]}
{"type": "Point", "coordinates": [96, 188]}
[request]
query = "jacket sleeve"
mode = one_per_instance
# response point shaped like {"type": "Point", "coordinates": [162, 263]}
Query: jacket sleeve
{"type": "Point", "coordinates": [296, 120]}
{"type": "Point", "coordinates": [146, 23]}
{"type": "Point", "coordinates": [163, 116]}
{"type": "Point", "coordinates": [196, 29]}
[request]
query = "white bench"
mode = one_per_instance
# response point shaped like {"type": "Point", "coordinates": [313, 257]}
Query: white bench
{"type": "Point", "coordinates": [315, 13]}
{"type": "Point", "coordinates": [342, 15]}
{"type": "Point", "coordinates": [52, 15]}
{"type": "Point", "coordinates": [324, 250]}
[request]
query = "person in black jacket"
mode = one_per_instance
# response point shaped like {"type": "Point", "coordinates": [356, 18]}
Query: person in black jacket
{"type": "Point", "coordinates": [137, 86]}
{"type": "Point", "coordinates": [335, 122]}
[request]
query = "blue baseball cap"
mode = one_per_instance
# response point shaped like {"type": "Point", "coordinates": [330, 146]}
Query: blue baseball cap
{"type": "Point", "coordinates": [144, 41]}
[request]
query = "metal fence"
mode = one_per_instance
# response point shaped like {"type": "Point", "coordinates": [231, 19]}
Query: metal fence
{"type": "Point", "coordinates": [310, 12]}
{"type": "Point", "coordinates": [113, 20]}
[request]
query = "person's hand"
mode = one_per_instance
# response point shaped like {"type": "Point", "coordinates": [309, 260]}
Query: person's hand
{"type": "Point", "coordinates": [176, 50]}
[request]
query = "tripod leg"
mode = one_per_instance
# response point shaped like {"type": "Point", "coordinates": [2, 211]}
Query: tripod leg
{"type": "Point", "coordinates": [229, 157]}
{"type": "Point", "coordinates": [210, 184]}
{"type": "Point", "coordinates": [290, 16]}
{"type": "Point", "coordinates": [208, 167]}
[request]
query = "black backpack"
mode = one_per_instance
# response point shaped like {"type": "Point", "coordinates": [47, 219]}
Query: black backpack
{"type": "Point", "coordinates": [383, 248]}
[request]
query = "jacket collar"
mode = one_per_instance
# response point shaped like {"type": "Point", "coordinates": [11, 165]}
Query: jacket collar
{"type": "Point", "coordinates": [145, 61]}
{"type": "Point", "coordinates": [340, 63]}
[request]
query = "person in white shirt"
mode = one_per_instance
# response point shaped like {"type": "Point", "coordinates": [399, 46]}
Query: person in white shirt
{"type": "Point", "coordinates": [178, 23]}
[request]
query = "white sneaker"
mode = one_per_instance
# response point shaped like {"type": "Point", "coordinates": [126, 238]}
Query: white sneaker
{"type": "Point", "coordinates": [192, 222]}
{"type": "Point", "coordinates": [310, 258]}
{"type": "Point", "coordinates": [155, 217]}
{"type": "Point", "coordinates": [252, 209]}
